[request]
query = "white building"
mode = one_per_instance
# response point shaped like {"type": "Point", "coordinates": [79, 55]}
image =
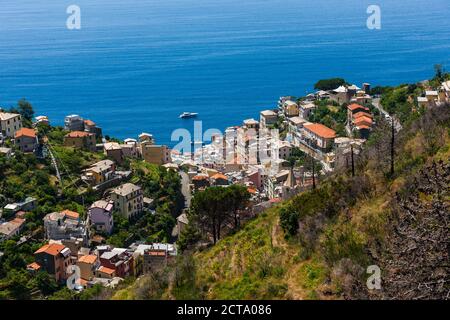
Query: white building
{"type": "Point", "coordinates": [10, 123]}
{"type": "Point", "coordinates": [65, 225]}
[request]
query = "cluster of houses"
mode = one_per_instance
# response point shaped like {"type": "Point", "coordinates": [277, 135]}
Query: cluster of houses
{"type": "Point", "coordinates": [17, 212]}
{"type": "Point", "coordinates": [255, 156]}
{"type": "Point", "coordinates": [360, 120]}
{"type": "Point", "coordinates": [432, 97]}
{"type": "Point", "coordinates": [103, 264]}
{"type": "Point", "coordinates": [251, 154]}
{"type": "Point", "coordinates": [143, 148]}
{"type": "Point", "coordinates": [71, 242]}
{"type": "Point", "coordinates": [84, 134]}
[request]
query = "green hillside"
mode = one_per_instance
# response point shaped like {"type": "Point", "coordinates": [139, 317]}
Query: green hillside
{"type": "Point", "coordinates": [319, 244]}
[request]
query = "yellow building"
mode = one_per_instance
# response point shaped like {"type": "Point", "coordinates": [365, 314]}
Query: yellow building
{"type": "Point", "coordinates": [128, 200]}
{"type": "Point", "coordinates": [88, 265]}
{"type": "Point", "coordinates": [156, 154]}
{"type": "Point", "coordinates": [100, 172]}
{"type": "Point", "coordinates": [291, 108]}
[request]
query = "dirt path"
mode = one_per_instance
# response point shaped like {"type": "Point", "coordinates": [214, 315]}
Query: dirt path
{"type": "Point", "coordinates": [295, 291]}
{"type": "Point", "coordinates": [277, 236]}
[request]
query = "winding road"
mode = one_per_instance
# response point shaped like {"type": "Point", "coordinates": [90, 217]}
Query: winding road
{"type": "Point", "coordinates": [377, 104]}
{"type": "Point", "coordinates": [185, 189]}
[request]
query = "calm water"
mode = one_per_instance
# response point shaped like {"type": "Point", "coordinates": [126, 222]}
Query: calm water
{"type": "Point", "coordinates": [137, 64]}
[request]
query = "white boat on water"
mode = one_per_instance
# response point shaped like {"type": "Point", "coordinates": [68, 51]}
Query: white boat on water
{"type": "Point", "coordinates": [186, 115]}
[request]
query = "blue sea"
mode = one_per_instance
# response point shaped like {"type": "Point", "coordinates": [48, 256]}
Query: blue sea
{"type": "Point", "coordinates": [135, 65]}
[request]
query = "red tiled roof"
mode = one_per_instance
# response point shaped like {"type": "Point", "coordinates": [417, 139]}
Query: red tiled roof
{"type": "Point", "coordinates": [362, 113]}
{"type": "Point", "coordinates": [198, 178]}
{"type": "Point", "coordinates": [321, 130]}
{"type": "Point", "coordinates": [18, 221]}
{"type": "Point", "coordinates": [89, 122]}
{"type": "Point", "coordinates": [90, 259]}
{"type": "Point", "coordinates": [106, 270]}
{"type": "Point", "coordinates": [97, 238]}
{"type": "Point", "coordinates": [26, 132]}
{"type": "Point", "coordinates": [34, 266]}
{"type": "Point", "coordinates": [355, 106]}
{"type": "Point", "coordinates": [363, 119]}
{"type": "Point", "coordinates": [251, 190]}
{"type": "Point", "coordinates": [156, 253]}
{"type": "Point", "coordinates": [51, 249]}
{"type": "Point", "coordinates": [219, 176]}
{"type": "Point", "coordinates": [83, 282]}
{"type": "Point", "coordinates": [78, 134]}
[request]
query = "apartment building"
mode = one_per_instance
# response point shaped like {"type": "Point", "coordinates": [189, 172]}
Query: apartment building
{"type": "Point", "coordinates": [10, 123]}
{"type": "Point", "coordinates": [100, 172]}
{"type": "Point", "coordinates": [53, 258]}
{"type": "Point", "coordinates": [80, 140]}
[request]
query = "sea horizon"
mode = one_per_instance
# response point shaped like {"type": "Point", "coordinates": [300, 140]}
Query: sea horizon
{"type": "Point", "coordinates": [134, 67]}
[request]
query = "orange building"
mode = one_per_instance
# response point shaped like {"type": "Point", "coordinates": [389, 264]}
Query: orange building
{"type": "Point", "coordinates": [54, 258]}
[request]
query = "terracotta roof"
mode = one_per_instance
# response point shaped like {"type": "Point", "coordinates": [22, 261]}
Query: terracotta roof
{"type": "Point", "coordinates": [219, 176]}
{"type": "Point", "coordinates": [34, 266]}
{"type": "Point", "coordinates": [363, 119]}
{"type": "Point", "coordinates": [106, 270]}
{"type": "Point", "coordinates": [362, 113]}
{"type": "Point", "coordinates": [251, 190]}
{"type": "Point", "coordinates": [198, 178]}
{"type": "Point", "coordinates": [97, 238]}
{"type": "Point", "coordinates": [321, 130]}
{"type": "Point", "coordinates": [51, 249]}
{"type": "Point", "coordinates": [71, 214]}
{"type": "Point", "coordinates": [89, 122]}
{"type": "Point", "coordinates": [155, 253]}
{"type": "Point", "coordinates": [355, 106]}
{"type": "Point", "coordinates": [26, 132]}
{"type": "Point", "coordinates": [18, 221]}
{"type": "Point", "coordinates": [20, 214]}
{"type": "Point", "coordinates": [78, 134]}
{"type": "Point", "coordinates": [363, 127]}
{"type": "Point", "coordinates": [91, 259]}
{"type": "Point", "coordinates": [83, 282]}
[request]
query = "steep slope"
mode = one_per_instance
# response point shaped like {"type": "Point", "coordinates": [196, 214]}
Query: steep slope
{"type": "Point", "coordinates": [319, 244]}
{"type": "Point", "coordinates": [399, 223]}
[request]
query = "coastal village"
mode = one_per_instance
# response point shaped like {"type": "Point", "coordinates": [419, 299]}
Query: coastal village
{"type": "Point", "coordinates": [287, 150]}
